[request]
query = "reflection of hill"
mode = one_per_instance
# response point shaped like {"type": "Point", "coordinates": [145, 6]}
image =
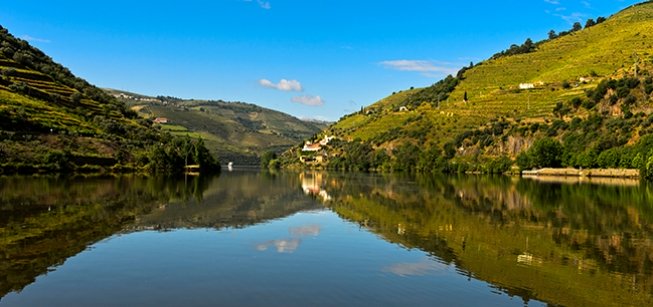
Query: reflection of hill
{"type": "Point", "coordinates": [566, 244]}
{"type": "Point", "coordinates": [240, 200]}
{"type": "Point", "coordinates": [44, 221]}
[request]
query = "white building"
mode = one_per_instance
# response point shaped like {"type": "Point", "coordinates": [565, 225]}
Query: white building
{"type": "Point", "coordinates": [526, 86]}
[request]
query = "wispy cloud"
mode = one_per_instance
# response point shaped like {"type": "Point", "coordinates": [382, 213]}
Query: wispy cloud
{"type": "Point", "coordinates": [427, 68]}
{"type": "Point", "coordinates": [283, 85]}
{"type": "Point", "coordinates": [308, 100]}
{"type": "Point", "coordinates": [261, 3]}
{"type": "Point", "coordinates": [572, 18]}
{"type": "Point", "coordinates": [34, 39]}
{"type": "Point", "coordinates": [264, 4]}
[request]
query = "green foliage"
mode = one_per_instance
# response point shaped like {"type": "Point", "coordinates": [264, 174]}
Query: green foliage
{"type": "Point", "coordinates": [173, 154]}
{"type": "Point", "coordinates": [498, 166]}
{"type": "Point", "coordinates": [269, 160]}
{"type": "Point", "coordinates": [527, 47]}
{"type": "Point", "coordinates": [545, 152]}
{"type": "Point", "coordinates": [647, 168]}
{"type": "Point", "coordinates": [434, 94]}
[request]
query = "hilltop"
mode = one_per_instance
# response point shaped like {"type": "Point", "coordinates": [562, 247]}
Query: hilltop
{"type": "Point", "coordinates": [53, 121]}
{"type": "Point", "coordinates": [492, 112]}
{"type": "Point", "coordinates": [235, 131]}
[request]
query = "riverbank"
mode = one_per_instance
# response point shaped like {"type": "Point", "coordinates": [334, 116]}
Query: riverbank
{"type": "Point", "coordinates": [572, 172]}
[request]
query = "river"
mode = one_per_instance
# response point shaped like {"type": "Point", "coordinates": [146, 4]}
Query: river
{"type": "Point", "coordinates": [247, 238]}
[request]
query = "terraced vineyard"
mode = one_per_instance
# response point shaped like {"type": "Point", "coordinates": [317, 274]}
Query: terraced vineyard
{"type": "Point", "coordinates": [53, 121]}
{"type": "Point", "coordinates": [558, 70]}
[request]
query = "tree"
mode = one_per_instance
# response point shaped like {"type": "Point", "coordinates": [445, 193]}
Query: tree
{"type": "Point", "coordinates": [590, 23]}
{"type": "Point", "coordinates": [528, 46]}
{"type": "Point", "coordinates": [546, 152]}
{"type": "Point", "coordinates": [576, 27]}
{"type": "Point", "coordinates": [600, 20]}
{"type": "Point", "coordinates": [267, 158]}
{"type": "Point", "coordinates": [552, 34]}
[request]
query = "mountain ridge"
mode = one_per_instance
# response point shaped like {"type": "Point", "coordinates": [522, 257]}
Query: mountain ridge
{"type": "Point", "coordinates": [236, 131]}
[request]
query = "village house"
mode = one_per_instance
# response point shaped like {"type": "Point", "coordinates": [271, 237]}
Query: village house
{"type": "Point", "coordinates": [526, 86]}
{"type": "Point", "coordinates": [161, 120]}
{"type": "Point", "coordinates": [311, 147]}
{"type": "Point", "coordinates": [315, 147]}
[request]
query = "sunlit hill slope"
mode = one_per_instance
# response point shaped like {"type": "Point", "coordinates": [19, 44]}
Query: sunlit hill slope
{"type": "Point", "coordinates": [235, 131]}
{"type": "Point", "coordinates": [53, 121]}
{"type": "Point", "coordinates": [512, 92]}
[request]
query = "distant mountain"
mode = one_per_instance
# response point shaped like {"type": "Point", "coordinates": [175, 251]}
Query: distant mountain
{"type": "Point", "coordinates": [53, 121]}
{"type": "Point", "coordinates": [587, 89]}
{"type": "Point", "coordinates": [236, 131]}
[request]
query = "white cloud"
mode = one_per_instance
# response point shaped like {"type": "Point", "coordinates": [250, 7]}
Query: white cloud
{"type": "Point", "coordinates": [427, 68]}
{"type": "Point", "coordinates": [318, 118]}
{"type": "Point", "coordinates": [283, 85]}
{"type": "Point", "coordinates": [261, 3]}
{"type": "Point", "coordinates": [314, 101]}
{"type": "Point", "coordinates": [34, 39]}
{"type": "Point", "coordinates": [554, 2]}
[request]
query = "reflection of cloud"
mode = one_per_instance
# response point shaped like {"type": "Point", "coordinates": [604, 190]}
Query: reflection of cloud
{"type": "Point", "coordinates": [289, 246]}
{"type": "Point", "coordinates": [421, 268]}
{"type": "Point", "coordinates": [286, 246]}
{"type": "Point", "coordinates": [309, 230]}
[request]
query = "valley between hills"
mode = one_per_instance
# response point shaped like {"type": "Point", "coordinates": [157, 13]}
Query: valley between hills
{"type": "Point", "coordinates": [579, 99]}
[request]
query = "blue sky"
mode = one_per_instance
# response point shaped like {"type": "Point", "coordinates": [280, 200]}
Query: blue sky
{"type": "Point", "coordinates": [311, 59]}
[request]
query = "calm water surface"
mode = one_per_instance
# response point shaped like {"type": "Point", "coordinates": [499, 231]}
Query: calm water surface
{"type": "Point", "coordinates": [321, 239]}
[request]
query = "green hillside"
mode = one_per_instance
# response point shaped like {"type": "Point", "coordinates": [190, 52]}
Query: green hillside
{"type": "Point", "coordinates": [53, 121]}
{"type": "Point", "coordinates": [437, 119]}
{"type": "Point", "coordinates": [235, 131]}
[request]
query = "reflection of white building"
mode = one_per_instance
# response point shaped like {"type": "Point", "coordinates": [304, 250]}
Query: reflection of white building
{"type": "Point", "coordinates": [312, 185]}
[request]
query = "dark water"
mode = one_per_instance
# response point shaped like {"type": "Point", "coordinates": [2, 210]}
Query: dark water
{"type": "Point", "coordinates": [320, 239]}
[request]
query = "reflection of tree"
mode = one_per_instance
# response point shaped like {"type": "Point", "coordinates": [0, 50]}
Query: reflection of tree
{"type": "Point", "coordinates": [570, 244]}
{"type": "Point", "coordinates": [43, 221]}
{"type": "Point", "coordinates": [240, 200]}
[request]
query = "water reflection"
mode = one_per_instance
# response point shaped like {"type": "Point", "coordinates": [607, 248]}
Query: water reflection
{"type": "Point", "coordinates": [565, 243]}
{"type": "Point", "coordinates": [420, 268]}
{"type": "Point", "coordinates": [44, 221]}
